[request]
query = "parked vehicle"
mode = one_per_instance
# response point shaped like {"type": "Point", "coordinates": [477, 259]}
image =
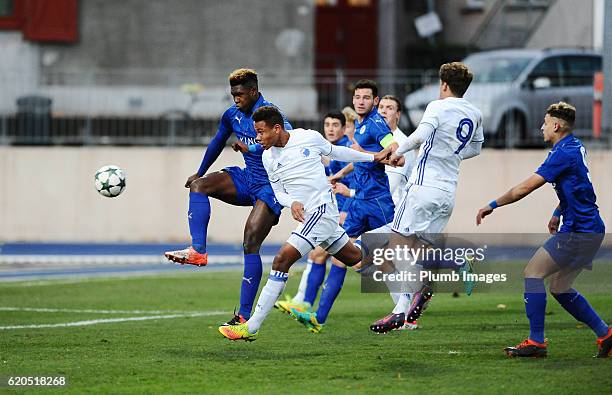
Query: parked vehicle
{"type": "Point", "coordinates": [514, 87]}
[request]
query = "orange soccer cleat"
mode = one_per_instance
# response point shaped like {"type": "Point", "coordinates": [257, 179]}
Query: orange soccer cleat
{"type": "Point", "coordinates": [188, 256]}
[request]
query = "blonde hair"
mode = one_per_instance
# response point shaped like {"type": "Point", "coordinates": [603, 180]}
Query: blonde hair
{"type": "Point", "coordinates": [564, 112]}
{"type": "Point", "coordinates": [349, 114]}
{"type": "Point", "coordinates": [246, 77]}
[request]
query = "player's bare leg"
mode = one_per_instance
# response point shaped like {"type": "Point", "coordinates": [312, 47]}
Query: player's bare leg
{"type": "Point", "coordinates": [270, 293]}
{"type": "Point", "coordinates": [257, 227]}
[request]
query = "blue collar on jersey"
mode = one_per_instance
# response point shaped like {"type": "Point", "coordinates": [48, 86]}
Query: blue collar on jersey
{"type": "Point", "coordinates": [342, 141]}
{"type": "Point", "coordinates": [367, 118]}
{"type": "Point", "coordinates": [564, 140]}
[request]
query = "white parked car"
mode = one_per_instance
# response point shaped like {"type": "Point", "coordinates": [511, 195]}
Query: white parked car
{"type": "Point", "coordinates": [514, 87]}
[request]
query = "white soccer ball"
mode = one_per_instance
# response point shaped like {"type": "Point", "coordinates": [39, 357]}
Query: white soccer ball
{"type": "Point", "coordinates": [110, 181]}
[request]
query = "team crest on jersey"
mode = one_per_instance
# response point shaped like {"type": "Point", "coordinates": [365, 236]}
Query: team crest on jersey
{"type": "Point", "coordinates": [362, 129]}
{"type": "Point", "coordinates": [305, 152]}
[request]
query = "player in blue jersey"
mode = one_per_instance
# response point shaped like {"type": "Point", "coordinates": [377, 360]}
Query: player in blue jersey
{"type": "Point", "coordinates": [372, 205]}
{"type": "Point", "coordinates": [247, 186]}
{"type": "Point", "coordinates": [572, 246]}
{"type": "Point", "coordinates": [334, 124]}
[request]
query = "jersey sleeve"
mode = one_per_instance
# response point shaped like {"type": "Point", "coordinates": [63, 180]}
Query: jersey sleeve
{"type": "Point", "coordinates": [479, 132]}
{"type": "Point", "coordinates": [556, 163]}
{"type": "Point", "coordinates": [381, 130]}
{"type": "Point", "coordinates": [320, 144]}
{"type": "Point", "coordinates": [431, 115]}
{"type": "Point", "coordinates": [217, 144]}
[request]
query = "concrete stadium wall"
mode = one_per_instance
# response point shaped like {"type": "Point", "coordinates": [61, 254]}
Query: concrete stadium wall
{"type": "Point", "coordinates": [47, 194]}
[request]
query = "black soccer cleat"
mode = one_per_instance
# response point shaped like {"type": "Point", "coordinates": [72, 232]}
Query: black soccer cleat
{"type": "Point", "coordinates": [419, 302]}
{"type": "Point", "coordinates": [388, 323]}
{"type": "Point", "coordinates": [529, 349]}
{"type": "Point", "coordinates": [237, 319]}
{"type": "Point", "coordinates": [604, 345]}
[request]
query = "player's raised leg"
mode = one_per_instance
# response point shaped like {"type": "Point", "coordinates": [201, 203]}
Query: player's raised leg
{"type": "Point", "coordinates": [218, 185]}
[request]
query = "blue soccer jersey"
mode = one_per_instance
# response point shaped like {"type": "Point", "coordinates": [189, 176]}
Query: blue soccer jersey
{"type": "Point", "coordinates": [370, 178]}
{"type": "Point", "coordinates": [241, 124]}
{"type": "Point", "coordinates": [335, 166]}
{"type": "Point", "coordinates": [566, 168]}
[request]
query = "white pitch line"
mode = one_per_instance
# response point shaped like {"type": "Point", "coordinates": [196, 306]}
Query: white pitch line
{"type": "Point", "coordinates": [109, 321]}
{"type": "Point", "coordinates": [92, 311]}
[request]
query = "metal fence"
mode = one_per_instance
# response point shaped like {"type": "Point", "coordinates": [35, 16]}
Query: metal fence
{"type": "Point", "coordinates": [36, 119]}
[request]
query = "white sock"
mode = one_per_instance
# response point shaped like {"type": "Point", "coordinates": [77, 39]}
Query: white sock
{"type": "Point", "coordinates": [394, 296]}
{"type": "Point", "coordinates": [269, 295]}
{"type": "Point", "coordinates": [301, 292]}
{"type": "Point", "coordinates": [402, 304]}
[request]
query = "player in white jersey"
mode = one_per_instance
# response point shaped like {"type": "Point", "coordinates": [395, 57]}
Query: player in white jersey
{"type": "Point", "coordinates": [297, 175]}
{"type": "Point", "coordinates": [391, 109]}
{"type": "Point", "coordinates": [449, 132]}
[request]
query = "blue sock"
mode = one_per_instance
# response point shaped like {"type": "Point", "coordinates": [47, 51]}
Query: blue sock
{"type": "Point", "coordinates": [535, 307]}
{"type": "Point", "coordinates": [198, 214]}
{"type": "Point", "coordinates": [331, 289]}
{"type": "Point", "coordinates": [250, 283]}
{"type": "Point", "coordinates": [580, 309]}
{"type": "Point", "coordinates": [315, 279]}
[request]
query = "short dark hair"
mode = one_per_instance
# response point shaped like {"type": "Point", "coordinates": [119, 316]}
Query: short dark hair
{"type": "Point", "coordinates": [270, 115]}
{"type": "Point", "coordinates": [395, 99]}
{"type": "Point", "coordinates": [563, 111]}
{"type": "Point", "coordinates": [244, 77]}
{"type": "Point", "coordinates": [336, 115]}
{"type": "Point", "coordinates": [366, 84]}
{"type": "Point", "coordinates": [457, 76]}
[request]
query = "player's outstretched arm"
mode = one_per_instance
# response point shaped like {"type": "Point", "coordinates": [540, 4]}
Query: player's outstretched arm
{"type": "Point", "coordinates": [413, 141]}
{"type": "Point", "coordinates": [515, 194]}
{"type": "Point", "coordinates": [346, 154]}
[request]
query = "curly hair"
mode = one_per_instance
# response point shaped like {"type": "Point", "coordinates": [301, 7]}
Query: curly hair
{"type": "Point", "coordinates": [457, 76]}
{"type": "Point", "coordinates": [563, 111]}
{"type": "Point", "coordinates": [270, 115]}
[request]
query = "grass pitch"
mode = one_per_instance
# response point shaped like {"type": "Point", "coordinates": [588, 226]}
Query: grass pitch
{"type": "Point", "coordinates": [458, 348]}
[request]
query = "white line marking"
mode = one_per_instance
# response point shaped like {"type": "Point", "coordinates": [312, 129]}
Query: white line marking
{"type": "Point", "coordinates": [120, 260]}
{"type": "Point", "coordinates": [109, 321]}
{"type": "Point", "coordinates": [93, 311]}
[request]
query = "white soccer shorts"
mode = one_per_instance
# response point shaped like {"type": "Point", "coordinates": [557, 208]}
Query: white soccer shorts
{"type": "Point", "coordinates": [320, 227]}
{"type": "Point", "coordinates": [424, 210]}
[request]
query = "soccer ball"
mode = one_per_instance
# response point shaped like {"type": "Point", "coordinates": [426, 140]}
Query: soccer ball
{"type": "Point", "coordinates": [110, 181]}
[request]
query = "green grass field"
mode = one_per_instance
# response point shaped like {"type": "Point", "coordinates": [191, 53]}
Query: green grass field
{"type": "Point", "coordinates": [458, 348]}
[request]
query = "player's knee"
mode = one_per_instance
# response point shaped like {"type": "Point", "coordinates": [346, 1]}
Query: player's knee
{"type": "Point", "coordinates": [558, 287]}
{"type": "Point", "coordinates": [251, 243]}
{"type": "Point", "coordinates": [353, 258]}
{"type": "Point", "coordinates": [281, 263]}
{"type": "Point", "coordinates": [201, 185]}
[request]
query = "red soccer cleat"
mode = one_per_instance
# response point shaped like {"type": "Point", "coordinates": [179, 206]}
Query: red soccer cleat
{"type": "Point", "coordinates": [604, 345]}
{"type": "Point", "coordinates": [187, 256]}
{"type": "Point", "coordinates": [528, 348]}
